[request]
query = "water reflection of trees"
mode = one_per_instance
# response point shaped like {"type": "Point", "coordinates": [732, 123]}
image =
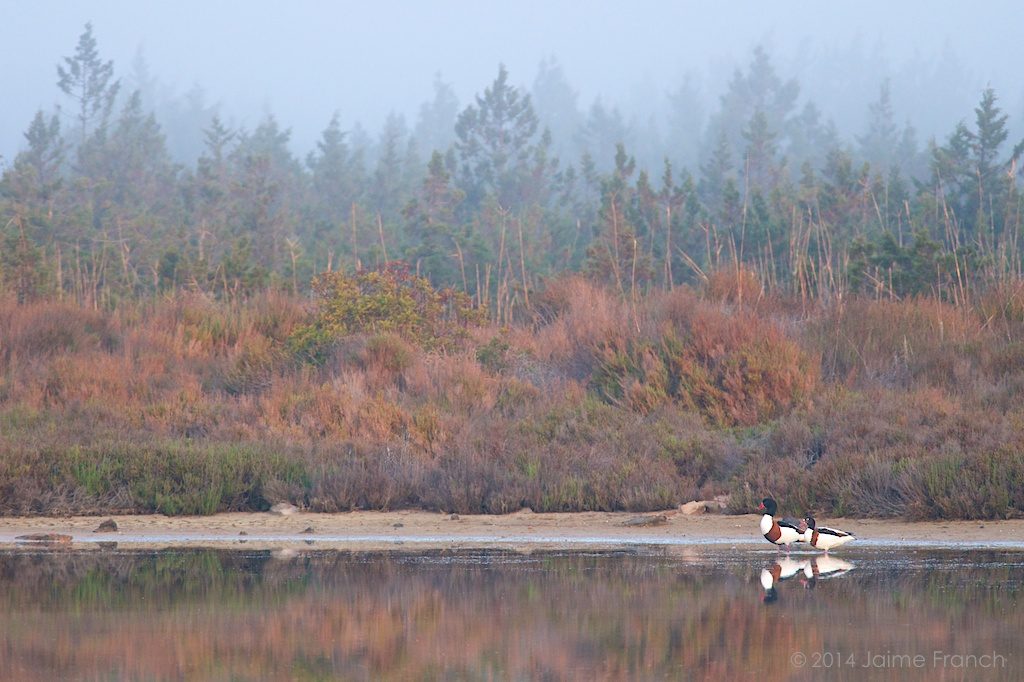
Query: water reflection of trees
{"type": "Point", "coordinates": [217, 615]}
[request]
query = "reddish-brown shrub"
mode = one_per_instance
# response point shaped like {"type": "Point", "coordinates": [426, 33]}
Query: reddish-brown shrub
{"type": "Point", "coordinates": [733, 368]}
{"type": "Point", "coordinates": [598, 403]}
{"type": "Point", "coordinates": [739, 285]}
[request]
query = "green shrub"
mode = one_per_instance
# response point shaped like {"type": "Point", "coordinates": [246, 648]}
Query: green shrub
{"type": "Point", "coordinates": [389, 299]}
{"type": "Point", "coordinates": [492, 355]}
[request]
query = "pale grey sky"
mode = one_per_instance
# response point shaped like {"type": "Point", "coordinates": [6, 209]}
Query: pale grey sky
{"type": "Point", "coordinates": [303, 60]}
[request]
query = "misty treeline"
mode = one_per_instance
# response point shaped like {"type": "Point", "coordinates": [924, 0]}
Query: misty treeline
{"type": "Point", "coordinates": [493, 197]}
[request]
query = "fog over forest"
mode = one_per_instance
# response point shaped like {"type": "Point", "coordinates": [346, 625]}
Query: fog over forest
{"type": "Point", "coordinates": [645, 69]}
{"type": "Point", "coordinates": [561, 256]}
{"type": "Point", "coordinates": [852, 149]}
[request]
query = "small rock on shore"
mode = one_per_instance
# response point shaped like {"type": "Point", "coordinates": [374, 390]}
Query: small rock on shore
{"type": "Point", "coordinates": [284, 509]}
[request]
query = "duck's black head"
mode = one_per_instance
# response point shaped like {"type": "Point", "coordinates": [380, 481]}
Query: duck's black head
{"type": "Point", "coordinates": [768, 506]}
{"type": "Point", "coordinates": [810, 522]}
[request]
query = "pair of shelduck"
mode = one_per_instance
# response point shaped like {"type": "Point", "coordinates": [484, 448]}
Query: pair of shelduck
{"type": "Point", "coordinates": [786, 531]}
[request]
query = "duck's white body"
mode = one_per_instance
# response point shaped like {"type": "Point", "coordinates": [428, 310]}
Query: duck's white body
{"type": "Point", "coordinates": [825, 538]}
{"type": "Point", "coordinates": [778, 533]}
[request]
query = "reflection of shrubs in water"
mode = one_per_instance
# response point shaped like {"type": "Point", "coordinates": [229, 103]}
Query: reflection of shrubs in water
{"type": "Point", "coordinates": [397, 616]}
{"type": "Point", "coordinates": [60, 578]}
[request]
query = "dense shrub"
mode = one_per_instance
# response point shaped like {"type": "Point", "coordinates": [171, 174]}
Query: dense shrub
{"type": "Point", "coordinates": [171, 477]}
{"type": "Point", "coordinates": [188, 405]}
{"type": "Point", "coordinates": [734, 368]}
{"type": "Point", "coordinates": [389, 299]}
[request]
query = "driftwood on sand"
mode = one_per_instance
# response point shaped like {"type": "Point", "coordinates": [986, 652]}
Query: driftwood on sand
{"type": "Point", "coordinates": [48, 538]}
{"type": "Point", "coordinates": [655, 520]}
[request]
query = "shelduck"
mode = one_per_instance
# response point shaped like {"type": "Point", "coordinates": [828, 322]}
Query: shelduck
{"type": "Point", "coordinates": [782, 532]}
{"type": "Point", "coordinates": [824, 538]}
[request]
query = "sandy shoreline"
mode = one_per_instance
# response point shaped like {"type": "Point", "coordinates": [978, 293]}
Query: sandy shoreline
{"type": "Point", "coordinates": [420, 530]}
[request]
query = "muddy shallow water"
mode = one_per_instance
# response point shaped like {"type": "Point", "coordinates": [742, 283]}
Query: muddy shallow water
{"type": "Point", "coordinates": [648, 612]}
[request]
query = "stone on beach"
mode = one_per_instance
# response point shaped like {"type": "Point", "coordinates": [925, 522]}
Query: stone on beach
{"type": "Point", "coordinates": [284, 509]}
{"type": "Point", "coordinates": [705, 506]}
{"type": "Point", "coordinates": [692, 508]}
{"type": "Point", "coordinates": [108, 526]}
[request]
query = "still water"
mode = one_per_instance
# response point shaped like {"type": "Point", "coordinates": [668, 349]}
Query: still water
{"type": "Point", "coordinates": [688, 613]}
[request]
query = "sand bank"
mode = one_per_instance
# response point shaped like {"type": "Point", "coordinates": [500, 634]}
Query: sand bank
{"type": "Point", "coordinates": [420, 529]}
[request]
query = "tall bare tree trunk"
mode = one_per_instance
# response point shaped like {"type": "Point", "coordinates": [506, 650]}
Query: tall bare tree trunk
{"type": "Point", "coordinates": [380, 231]}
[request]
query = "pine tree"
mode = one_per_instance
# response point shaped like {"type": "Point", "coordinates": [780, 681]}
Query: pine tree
{"type": "Point", "coordinates": [557, 108]}
{"type": "Point", "coordinates": [845, 206]}
{"type": "Point", "coordinates": [603, 131]}
{"type": "Point", "coordinates": [617, 256]}
{"type": "Point", "coordinates": [758, 89]}
{"type": "Point", "coordinates": [686, 119]}
{"type": "Point", "coordinates": [36, 175]}
{"type": "Point", "coordinates": [435, 125]}
{"type": "Point", "coordinates": [387, 194]}
{"type": "Point", "coordinates": [211, 195]}
{"type": "Point", "coordinates": [30, 201]}
{"type": "Point", "coordinates": [267, 188]}
{"type": "Point", "coordinates": [88, 81]}
{"type": "Point", "coordinates": [715, 173]}
{"type": "Point", "coordinates": [879, 144]}
{"type": "Point", "coordinates": [971, 175]}
{"type": "Point", "coordinates": [760, 169]}
{"type": "Point", "coordinates": [495, 145]}
{"type": "Point", "coordinates": [991, 182]}
{"type": "Point", "coordinates": [335, 189]}
{"type": "Point", "coordinates": [810, 139]}
{"type": "Point", "coordinates": [432, 242]}
{"type": "Point", "coordinates": [127, 171]}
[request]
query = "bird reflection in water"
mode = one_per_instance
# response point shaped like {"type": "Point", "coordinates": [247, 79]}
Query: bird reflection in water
{"type": "Point", "coordinates": [810, 571]}
{"type": "Point", "coordinates": [824, 568]}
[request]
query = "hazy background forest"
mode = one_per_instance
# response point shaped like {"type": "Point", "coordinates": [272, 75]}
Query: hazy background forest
{"type": "Point", "coordinates": [793, 270]}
